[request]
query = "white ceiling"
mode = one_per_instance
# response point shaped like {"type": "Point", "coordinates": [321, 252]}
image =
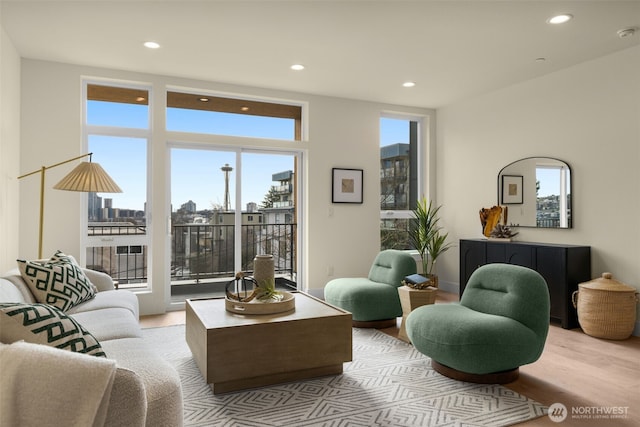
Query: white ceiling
{"type": "Point", "coordinates": [353, 49]}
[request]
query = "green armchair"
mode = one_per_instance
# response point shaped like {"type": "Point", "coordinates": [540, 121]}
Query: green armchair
{"type": "Point", "coordinates": [373, 301]}
{"type": "Point", "coordinates": [500, 324]}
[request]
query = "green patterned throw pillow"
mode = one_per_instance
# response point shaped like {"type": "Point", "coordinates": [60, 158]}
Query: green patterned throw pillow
{"type": "Point", "coordinates": [59, 282]}
{"type": "Point", "coordinates": [60, 256]}
{"type": "Point", "coordinates": [45, 324]}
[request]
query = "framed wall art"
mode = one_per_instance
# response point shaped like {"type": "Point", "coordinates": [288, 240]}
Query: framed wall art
{"type": "Point", "coordinates": [346, 185]}
{"type": "Point", "coordinates": [511, 189]}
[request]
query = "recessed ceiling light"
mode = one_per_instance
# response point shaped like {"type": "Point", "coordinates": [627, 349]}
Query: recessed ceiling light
{"type": "Point", "coordinates": [560, 19]}
{"type": "Point", "coordinates": [141, 98]}
{"type": "Point", "coordinates": [151, 45]}
{"type": "Point", "coordinates": [244, 108]}
{"type": "Point", "coordinates": [408, 84]}
{"type": "Point", "coordinates": [626, 32]}
{"type": "Point", "coordinates": [203, 99]}
{"type": "Point", "coordinates": [297, 67]}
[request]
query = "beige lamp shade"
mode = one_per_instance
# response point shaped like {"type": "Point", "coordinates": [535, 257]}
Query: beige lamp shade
{"type": "Point", "coordinates": [88, 177]}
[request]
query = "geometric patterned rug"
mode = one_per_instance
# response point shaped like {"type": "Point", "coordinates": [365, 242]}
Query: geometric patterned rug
{"type": "Point", "coordinates": [388, 384]}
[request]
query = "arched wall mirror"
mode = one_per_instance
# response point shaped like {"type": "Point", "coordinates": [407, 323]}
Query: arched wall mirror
{"type": "Point", "coordinates": [537, 191]}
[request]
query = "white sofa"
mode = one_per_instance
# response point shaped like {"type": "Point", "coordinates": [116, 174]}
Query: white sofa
{"type": "Point", "coordinates": [144, 389]}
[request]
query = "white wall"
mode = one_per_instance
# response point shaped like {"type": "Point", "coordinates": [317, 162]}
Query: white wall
{"type": "Point", "coordinates": [587, 115]}
{"type": "Point", "coordinates": [9, 151]}
{"type": "Point", "coordinates": [342, 133]}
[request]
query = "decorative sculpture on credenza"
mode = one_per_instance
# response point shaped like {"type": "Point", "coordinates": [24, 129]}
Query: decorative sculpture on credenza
{"type": "Point", "coordinates": [494, 223]}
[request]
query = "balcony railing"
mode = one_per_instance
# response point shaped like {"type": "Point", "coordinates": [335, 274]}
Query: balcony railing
{"type": "Point", "coordinates": [283, 204]}
{"type": "Point", "coordinates": [200, 253]}
{"type": "Point", "coordinates": [116, 229]}
{"type": "Point", "coordinates": [287, 188]}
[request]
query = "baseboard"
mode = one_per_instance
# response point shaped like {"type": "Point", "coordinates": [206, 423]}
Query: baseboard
{"type": "Point", "coordinates": [318, 293]}
{"type": "Point", "coordinates": [450, 287]}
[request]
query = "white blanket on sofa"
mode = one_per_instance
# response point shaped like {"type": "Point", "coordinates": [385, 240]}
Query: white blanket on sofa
{"type": "Point", "coordinates": [42, 385]}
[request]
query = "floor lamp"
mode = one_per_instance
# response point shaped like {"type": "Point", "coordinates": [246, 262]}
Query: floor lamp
{"type": "Point", "coordinates": [86, 177]}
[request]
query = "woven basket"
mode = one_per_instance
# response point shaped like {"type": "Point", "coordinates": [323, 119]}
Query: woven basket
{"type": "Point", "coordinates": [606, 308]}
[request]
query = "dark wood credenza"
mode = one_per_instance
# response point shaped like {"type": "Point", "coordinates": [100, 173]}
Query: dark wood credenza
{"type": "Point", "coordinates": [562, 266]}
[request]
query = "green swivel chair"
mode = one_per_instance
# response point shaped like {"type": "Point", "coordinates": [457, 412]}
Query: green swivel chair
{"type": "Point", "coordinates": [500, 324]}
{"type": "Point", "coordinates": [373, 301]}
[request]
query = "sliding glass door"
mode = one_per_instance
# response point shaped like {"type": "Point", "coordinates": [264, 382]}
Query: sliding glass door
{"type": "Point", "coordinates": [227, 206]}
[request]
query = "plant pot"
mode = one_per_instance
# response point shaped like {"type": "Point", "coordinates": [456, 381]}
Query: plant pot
{"type": "Point", "coordinates": [433, 279]}
{"type": "Point", "coordinates": [263, 269]}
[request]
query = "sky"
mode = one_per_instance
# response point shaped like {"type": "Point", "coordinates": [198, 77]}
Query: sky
{"type": "Point", "coordinates": [196, 173]}
{"type": "Point", "coordinates": [549, 181]}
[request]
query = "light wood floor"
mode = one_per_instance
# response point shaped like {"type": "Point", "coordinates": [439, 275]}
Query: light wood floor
{"type": "Point", "coordinates": [575, 369]}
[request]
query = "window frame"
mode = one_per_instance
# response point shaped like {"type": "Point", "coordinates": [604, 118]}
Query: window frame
{"type": "Point", "coordinates": [237, 207]}
{"type": "Point", "coordinates": [146, 134]}
{"type": "Point", "coordinates": [417, 158]}
{"type": "Point", "coordinates": [241, 145]}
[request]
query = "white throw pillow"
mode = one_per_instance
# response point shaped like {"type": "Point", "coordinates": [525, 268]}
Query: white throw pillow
{"type": "Point", "coordinates": [59, 282]}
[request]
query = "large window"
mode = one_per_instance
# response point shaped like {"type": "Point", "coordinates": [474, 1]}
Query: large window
{"type": "Point", "coordinates": [117, 132]}
{"type": "Point", "coordinates": [231, 201]}
{"type": "Point", "coordinates": [399, 178]}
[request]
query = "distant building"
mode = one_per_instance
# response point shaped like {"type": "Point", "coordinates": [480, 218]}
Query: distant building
{"type": "Point", "coordinates": [95, 207]}
{"type": "Point", "coordinates": [282, 211]}
{"type": "Point", "coordinates": [394, 177]}
{"type": "Point", "coordinates": [284, 190]}
{"type": "Point", "coordinates": [278, 234]}
{"type": "Point", "coordinates": [220, 217]}
{"type": "Point", "coordinates": [189, 207]}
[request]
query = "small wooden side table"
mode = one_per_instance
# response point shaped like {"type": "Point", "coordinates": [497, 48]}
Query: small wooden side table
{"type": "Point", "coordinates": [410, 299]}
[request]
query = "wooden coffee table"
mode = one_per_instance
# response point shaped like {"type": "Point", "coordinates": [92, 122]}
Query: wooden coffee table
{"type": "Point", "coordinates": [238, 351]}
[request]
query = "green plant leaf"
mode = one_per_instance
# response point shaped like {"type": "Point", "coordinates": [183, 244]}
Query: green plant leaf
{"type": "Point", "coordinates": [267, 291]}
{"type": "Point", "coordinates": [424, 234]}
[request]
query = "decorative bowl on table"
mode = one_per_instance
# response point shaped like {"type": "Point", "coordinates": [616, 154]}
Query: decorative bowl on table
{"type": "Point", "coordinates": [250, 297]}
{"type": "Point", "coordinates": [256, 306]}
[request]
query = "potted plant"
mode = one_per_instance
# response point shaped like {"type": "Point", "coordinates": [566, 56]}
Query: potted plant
{"type": "Point", "coordinates": [425, 235]}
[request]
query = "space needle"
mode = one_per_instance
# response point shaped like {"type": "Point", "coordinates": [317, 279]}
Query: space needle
{"type": "Point", "coordinates": [227, 200]}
